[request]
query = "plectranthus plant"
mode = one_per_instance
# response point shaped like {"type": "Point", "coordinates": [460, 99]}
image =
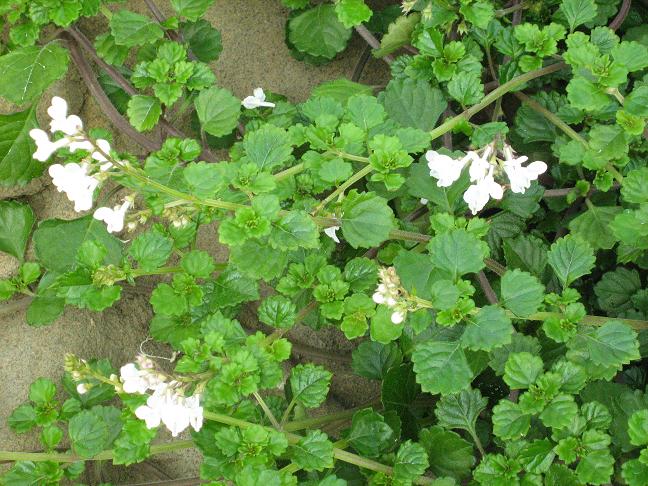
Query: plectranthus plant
{"type": "Point", "coordinates": [476, 228]}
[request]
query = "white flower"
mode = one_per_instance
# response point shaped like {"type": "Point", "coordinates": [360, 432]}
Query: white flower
{"type": "Point", "coordinates": [479, 164]}
{"type": "Point", "coordinates": [478, 194]}
{"type": "Point", "coordinates": [104, 148]}
{"type": "Point", "coordinates": [257, 100]}
{"type": "Point", "coordinates": [73, 179]}
{"type": "Point", "coordinates": [424, 201]}
{"type": "Point", "coordinates": [133, 380]}
{"type": "Point", "coordinates": [113, 217]}
{"type": "Point", "coordinates": [444, 168]}
{"type": "Point", "coordinates": [330, 232]}
{"type": "Point", "coordinates": [44, 147]}
{"type": "Point", "coordinates": [175, 411]}
{"type": "Point", "coordinates": [82, 388]}
{"type": "Point", "coordinates": [519, 176]}
{"type": "Point", "coordinates": [61, 122]}
{"type": "Point", "coordinates": [398, 316]}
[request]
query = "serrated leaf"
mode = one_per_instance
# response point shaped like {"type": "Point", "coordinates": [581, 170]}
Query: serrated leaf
{"type": "Point", "coordinates": [399, 33]}
{"type": "Point", "coordinates": [638, 428]}
{"type": "Point", "coordinates": [448, 454]}
{"type": "Point", "coordinates": [460, 410]}
{"type": "Point", "coordinates": [218, 111]}
{"type": "Point", "coordinates": [131, 29]}
{"type": "Point", "coordinates": [441, 367]}
{"type": "Point", "coordinates": [278, 311]}
{"type": "Point", "coordinates": [411, 461]}
{"type": "Point", "coordinates": [17, 166]}
{"type": "Point", "coordinates": [310, 384]}
{"type": "Point", "coordinates": [318, 32]}
{"type": "Point", "coordinates": [522, 293]}
{"type": "Point", "coordinates": [578, 12]}
{"type": "Point", "coordinates": [151, 249]}
{"type": "Point", "coordinates": [367, 219]}
{"type": "Point", "coordinates": [203, 39]}
{"type": "Point", "coordinates": [88, 433]}
{"type": "Point", "coordinates": [369, 434]}
{"type": "Point", "coordinates": [522, 370]}
{"type": "Point", "coordinates": [526, 253]}
{"type": "Point", "coordinates": [295, 229]}
{"type": "Point", "coordinates": [458, 252]}
{"type": "Point", "coordinates": [28, 71]}
{"type": "Point", "coordinates": [615, 290]}
{"type": "Point", "coordinates": [613, 344]}
{"type": "Point", "coordinates": [372, 360]}
{"type": "Point", "coordinates": [593, 226]}
{"type": "Point", "coordinates": [352, 12]}
{"type": "Point", "coordinates": [490, 328]}
{"type": "Point", "coordinates": [509, 421]}
{"type": "Point", "coordinates": [191, 9]}
{"type": "Point", "coordinates": [314, 452]}
{"type": "Point", "coordinates": [413, 103]}
{"type": "Point", "coordinates": [571, 258]}
{"type": "Point", "coordinates": [144, 112]}
{"type": "Point", "coordinates": [16, 222]}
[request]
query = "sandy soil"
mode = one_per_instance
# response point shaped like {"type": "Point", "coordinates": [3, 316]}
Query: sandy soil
{"type": "Point", "coordinates": [254, 55]}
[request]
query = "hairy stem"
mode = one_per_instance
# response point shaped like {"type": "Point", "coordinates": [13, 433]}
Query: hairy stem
{"type": "Point", "coordinates": [552, 117]}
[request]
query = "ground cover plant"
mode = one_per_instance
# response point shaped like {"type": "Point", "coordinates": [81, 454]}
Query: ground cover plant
{"type": "Point", "coordinates": [478, 227]}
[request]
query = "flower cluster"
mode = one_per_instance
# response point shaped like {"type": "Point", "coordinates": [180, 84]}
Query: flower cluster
{"type": "Point", "coordinates": [78, 180]}
{"type": "Point", "coordinates": [168, 403]}
{"type": "Point", "coordinates": [483, 169]}
{"type": "Point", "coordinates": [390, 293]}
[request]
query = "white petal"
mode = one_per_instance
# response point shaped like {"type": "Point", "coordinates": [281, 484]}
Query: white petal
{"type": "Point", "coordinates": [250, 103]}
{"type": "Point", "coordinates": [476, 198]}
{"type": "Point", "coordinates": [149, 415]}
{"type": "Point", "coordinates": [378, 298]}
{"type": "Point", "coordinates": [398, 317]}
{"type": "Point", "coordinates": [58, 109]}
{"type": "Point", "coordinates": [330, 232]}
{"type": "Point", "coordinates": [536, 168]}
{"type": "Point", "coordinates": [259, 94]}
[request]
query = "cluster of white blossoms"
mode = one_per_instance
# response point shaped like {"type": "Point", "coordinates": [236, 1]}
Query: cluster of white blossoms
{"type": "Point", "coordinates": [167, 404]}
{"type": "Point", "coordinates": [483, 169]}
{"type": "Point", "coordinates": [78, 180]}
{"type": "Point", "coordinates": [390, 293]}
{"type": "Point", "coordinates": [257, 100]}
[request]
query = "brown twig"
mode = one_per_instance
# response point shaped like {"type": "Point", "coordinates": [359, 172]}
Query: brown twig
{"type": "Point", "coordinates": [104, 102]}
{"type": "Point", "coordinates": [621, 15]}
{"type": "Point", "coordinates": [85, 43]}
{"type": "Point", "coordinates": [490, 294]}
{"type": "Point", "coordinates": [372, 41]}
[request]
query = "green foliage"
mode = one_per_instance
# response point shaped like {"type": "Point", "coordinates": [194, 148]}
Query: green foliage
{"type": "Point", "coordinates": [17, 167]}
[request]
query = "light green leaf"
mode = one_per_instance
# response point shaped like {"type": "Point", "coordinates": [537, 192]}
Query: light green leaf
{"type": "Point", "coordinates": [131, 29]}
{"type": "Point", "coordinates": [144, 112]}
{"type": "Point", "coordinates": [413, 103]}
{"type": "Point", "coordinates": [571, 258]}
{"type": "Point", "coordinates": [441, 367]}
{"type": "Point", "coordinates": [151, 249]}
{"type": "Point", "coordinates": [16, 222]}
{"type": "Point", "coordinates": [458, 252]}
{"type": "Point", "coordinates": [466, 89]}
{"type": "Point", "coordinates": [352, 12]}
{"type": "Point", "coordinates": [314, 452]}
{"type": "Point", "coordinates": [367, 219]}
{"type": "Point", "coordinates": [509, 421]}
{"type": "Point", "coordinates": [88, 433]}
{"type": "Point", "coordinates": [560, 413]}
{"type": "Point", "coordinates": [28, 71]}
{"type": "Point", "coordinates": [341, 90]}
{"type": "Point", "coordinates": [318, 32]}
{"type": "Point", "coordinates": [310, 384]}
{"type": "Point", "coordinates": [635, 184]}
{"type": "Point", "coordinates": [218, 111]}
{"type": "Point", "coordinates": [17, 166]}
{"type": "Point", "coordinates": [191, 9]}
{"type": "Point", "coordinates": [578, 12]}
{"type": "Point", "coordinates": [522, 370]}
{"type": "Point", "coordinates": [489, 329]}
{"type": "Point", "coordinates": [593, 226]}
{"type": "Point", "coordinates": [411, 461]}
{"type": "Point", "coordinates": [522, 293]}
{"type": "Point", "coordinates": [638, 428]}
{"type": "Point", "coordinates": [612, 345]}
{"type": "Point", "coordinates": [278, 311]}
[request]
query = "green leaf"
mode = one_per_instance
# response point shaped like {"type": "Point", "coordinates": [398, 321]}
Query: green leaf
{"type": "Point", "coordinates": [218, 111]}
{"type": "Point", "coordinates": [341, 90]}
{"type": "Point", "coordinates": [441, 367]}
{"type": "Point", "coordinates": [131, 29]}
{"type": "Point", "coordinates": [635, 472]}
{"type": "Point", "coordinates": [612, 345]}
{"type": "Point", "coordinates": [398, 34]}
{"type": "Point", "coordinates": [369, 434]}
{"type": "Point", "coordinates": [458, 252]}
{"type": "Point", "coordinates": [448, 454]}
{"type": "Point", "coordinates": [232, 287]}
{"type": "Point", "coordinates": [383, 330]}
{"type": "Point", "coordinates": [166, 301]}
{"type": "Point", "coordinates": [314, 452]}
{"type": "Point", "coordinates": [28, 71]}
{"type": "Point", "coordinates": [522, 370]}
{"type": "Point", "coordinates": [204, 40]}
{"type": "Point", "coordinates": [198, 263]}
{"type": "Point", "coordinates": [560, 413]}
{"type": "Point", "coordinates": [638, 428]}
{"type": "Point", "coordinates": [411, 461]}
{"type": "Point", "coordinates": [318, 32]}
{"type": "Point", "coordinates": [578, 12]}
{"type": "Point", "coordinates": [278, 311]}
{"type": "Point", "coordinates": [144, 112]}
{"type": "Point", "coordinates": [522, 293]}
{"type": "Point", "coordinates": [268, 147]}
{"type": "Point", "coordinates": [57, 242]}
{"type": "Point", "coordinates": [365, 111]}
{"type": "Point", "coordinates": [309, 384]}
{"type": "Point", "coordinates": [593, 226]}
{"type": "Point", "coordinates": [585, 95]}
{"type": "Point", "coordinates": [367, 219]}
{"type": "Point", "coordinates": [537, 456]}
{"type": "Point", "coordinates": [489, 329]}
{"type": "Point", "coordinates": [295, 229]}
{"type": "Point", "coordinates": [413, 103]}
{"type": "Point", "coordinates": [615, 290]}
{"type": "Point", "coordinates": [467, 89]}
{"type": "Point", "coordinates": [372, 359]}
{"type": "Point", "coordinates": [527, 253]}
{"type": "Point", "coordinates": [595, 468]}
{"type": "Point", "coordinates": [571, 258]}
{"type": "Point", "coordinates": [635, 185]}
{"type": "Point", "coordinates": [509, 421]}
{"type": "Point", "coordinates": [44, 310]}
{"type": "Point", "coordinates": [88, 433]}
{"type": "Point", "coordinates": [151, 250]}
{"type": "Point", "coordinates": [17, 166]}
{"type": "Point", "coordinates": [191, 9]}
{"type": "Point", "coordinates": [42, 392]}
{"type": "Point", "coordinates": [16, 222]}
{"type": "Point", "coordinates": [361, 274]}
{"type": "Point", "coordinates": [352, 12]}
{"type": "Point", "coordinates": [22, 419]}
{"type": "Point", "coordinates": [461, 410]}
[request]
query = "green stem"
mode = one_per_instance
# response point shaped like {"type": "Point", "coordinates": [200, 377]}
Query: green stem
{"type": "Point", "coordinates": [588, 319]}
{"type": "Point", "coordinates": [290, 171]}
{"type": "Point", "coordinates": [505, 11]}
{"type": "Point", "coordinates": [343, 187]}
{"type": "Point", "coordinates": [159, 271]}
{"type": "Point", "coordinates": [65, 457]}
{"type": "Point", "coordinates": [340, 454]}
{"type": "Point", "coordinates": [267, 411]}
{"type": "Point", "coordinates": [492, 96]}
{"type": "Point", "coordinates": [552, 117]}
{"type": "Point", "coordinates": [475, 438]}
{"type": "Point", "coordinates": [615, 173]}
{"type": "Point", "coordinates": [310, 423]}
